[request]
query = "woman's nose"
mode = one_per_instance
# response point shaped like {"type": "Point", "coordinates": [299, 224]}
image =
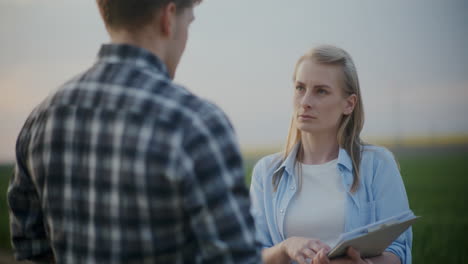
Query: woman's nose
{"type": "Point", "coordinates": [307, 101]}
{"type": "Point", "coordinates": [305, 106]}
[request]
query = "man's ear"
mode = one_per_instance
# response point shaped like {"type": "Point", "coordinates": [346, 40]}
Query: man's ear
{"type": "Point", "coordinates": [350, 104]}
{"type": "Point", "coordinates": [167, 19]}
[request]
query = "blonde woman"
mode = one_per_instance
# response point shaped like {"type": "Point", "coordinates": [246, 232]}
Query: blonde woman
{"type": "Point", "coordinates": [327, 181]}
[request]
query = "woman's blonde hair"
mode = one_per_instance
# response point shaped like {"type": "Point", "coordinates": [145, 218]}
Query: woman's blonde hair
{"type": "Point", "coordinates": [350, 125]}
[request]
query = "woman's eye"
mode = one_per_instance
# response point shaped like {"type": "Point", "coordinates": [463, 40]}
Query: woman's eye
{"type": "Point", "coordinates": [300, 88]}
{"type": "Point", "coordinates": [322, 91]}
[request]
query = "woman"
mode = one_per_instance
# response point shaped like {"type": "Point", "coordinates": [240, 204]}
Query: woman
{"type": "Point", "coordinates": [327, 181]}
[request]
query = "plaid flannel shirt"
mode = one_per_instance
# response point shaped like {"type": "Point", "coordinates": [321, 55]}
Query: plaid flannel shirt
{"type": "Point", "coordinates": [121, 165]}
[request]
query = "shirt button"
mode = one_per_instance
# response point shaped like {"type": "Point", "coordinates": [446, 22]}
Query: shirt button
{"type": "Point", "coordinates": [282, 211]}
{"type": "Point", "coordinates": [292, 188]}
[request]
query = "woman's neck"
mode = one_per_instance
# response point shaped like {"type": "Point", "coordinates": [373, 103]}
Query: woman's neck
{"type": "Point", "coordinates": [318, 148]}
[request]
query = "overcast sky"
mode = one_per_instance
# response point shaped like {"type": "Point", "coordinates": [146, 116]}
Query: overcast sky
{"type": "Point", "coordinates": [411, 56]}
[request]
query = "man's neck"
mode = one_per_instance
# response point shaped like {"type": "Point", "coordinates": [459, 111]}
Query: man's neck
{"type": "Point", "coordinates": [144, 40]}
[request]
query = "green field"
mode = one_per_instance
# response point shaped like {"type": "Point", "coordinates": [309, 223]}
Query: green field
{"type": "Point", "coordinates": [436, 182]}
{"type": "Point", "coordinates": [5, 173]}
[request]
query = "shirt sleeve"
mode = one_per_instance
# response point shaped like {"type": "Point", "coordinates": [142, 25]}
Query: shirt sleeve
{"type": "Point", "coordinates": [216, 198]}
{"type": "Point", "coordinates": [28, 234]}
{"type": "Point", "coordinates": [391, 199]}
{"type": "Point", "coordinates": [258, 206]}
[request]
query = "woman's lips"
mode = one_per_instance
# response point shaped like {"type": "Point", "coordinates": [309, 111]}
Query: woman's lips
{"type": "Point", "coordinates": [307, 117]}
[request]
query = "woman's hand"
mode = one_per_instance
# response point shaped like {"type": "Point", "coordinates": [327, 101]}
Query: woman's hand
{"type": "Point", "coordinates": [300, 248]}
{"type": "Point", "coordinates": [353, 257]}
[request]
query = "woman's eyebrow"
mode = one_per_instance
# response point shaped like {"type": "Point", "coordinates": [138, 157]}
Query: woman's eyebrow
{"type": "Point", "coordinates": [321, 86]}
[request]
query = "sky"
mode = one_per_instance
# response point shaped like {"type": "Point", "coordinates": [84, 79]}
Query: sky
{"type": "Point", "coordinates": [411, 57]}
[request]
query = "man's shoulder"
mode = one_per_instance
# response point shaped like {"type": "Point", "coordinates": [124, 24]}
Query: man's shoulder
{"type": "Point", "coordinates": [197, 109]}
{"type": "Point", "coordinates": [162, 91]}
{"type": "Point", "coordinates": [143, 91]}
{"type": "Point", "coordinates": [149, 95]}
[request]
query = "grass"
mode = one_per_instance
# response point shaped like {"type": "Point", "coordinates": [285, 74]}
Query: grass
{"type": "Point", "coordinates": [436, 183]}
{"type": "Point", "coordinates": [436, 186]}
{"type": "Point", "coordinates": [5, 173]}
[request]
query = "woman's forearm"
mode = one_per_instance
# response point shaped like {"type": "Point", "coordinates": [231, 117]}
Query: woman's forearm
{"type": "Point", "coordinates": [275, 255]}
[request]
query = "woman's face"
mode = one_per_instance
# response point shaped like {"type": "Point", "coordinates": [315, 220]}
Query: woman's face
{"type": "Point", "coordinates": [319, 99]}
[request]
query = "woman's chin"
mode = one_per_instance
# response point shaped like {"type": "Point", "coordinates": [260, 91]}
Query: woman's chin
{"type": "Point", "coordinates": [305, 128]}
{"type": "Point", "coordinates": [312, 129]}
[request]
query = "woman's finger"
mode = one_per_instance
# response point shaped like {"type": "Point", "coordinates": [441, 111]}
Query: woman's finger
{"type": "Point", "coordinates": [321, 258]}
{"type": "Point", "coordinates": [353, 254]}
{"type": "Point", "coordinates": [317, 245]}
{"type": "Point", "coordinates": [301, 260]}
{"type": "Point", "coordinates": [309, 253]}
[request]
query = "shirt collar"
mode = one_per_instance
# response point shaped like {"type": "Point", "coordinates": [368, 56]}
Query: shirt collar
{"type": "Point", "coordinates": [345, 160]}
{"type": "Point", "coordinates": [288, 164]}
{"type": "Point", "coordinates": [124, 53]}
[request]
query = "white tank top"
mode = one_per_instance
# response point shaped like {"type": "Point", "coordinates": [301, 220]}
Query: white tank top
{"type": "Point", "coordinates": [318, 208]}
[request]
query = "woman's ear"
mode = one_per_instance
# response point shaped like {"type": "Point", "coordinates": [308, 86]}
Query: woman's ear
{"type": "Point", "coordinates": [350, 104]}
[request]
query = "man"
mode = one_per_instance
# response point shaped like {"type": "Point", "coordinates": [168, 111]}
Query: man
{"type": "Point", "coordinates": [121, 165]}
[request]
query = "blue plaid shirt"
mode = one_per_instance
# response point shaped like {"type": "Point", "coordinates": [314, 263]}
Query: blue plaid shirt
{"type": "Point", "coordinates": [121, 165]}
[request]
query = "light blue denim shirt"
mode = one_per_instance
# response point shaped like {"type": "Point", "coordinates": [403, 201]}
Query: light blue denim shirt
{"type": "Point", "coordinates": [381, 194]}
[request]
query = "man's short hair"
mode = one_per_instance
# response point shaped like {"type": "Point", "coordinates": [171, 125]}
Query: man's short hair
{"type": "Point", "coordinates": [135, 13]}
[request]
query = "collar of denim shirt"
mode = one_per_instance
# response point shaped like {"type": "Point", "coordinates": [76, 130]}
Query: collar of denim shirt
{"type": "Point", "coordinates": [344, 163]}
